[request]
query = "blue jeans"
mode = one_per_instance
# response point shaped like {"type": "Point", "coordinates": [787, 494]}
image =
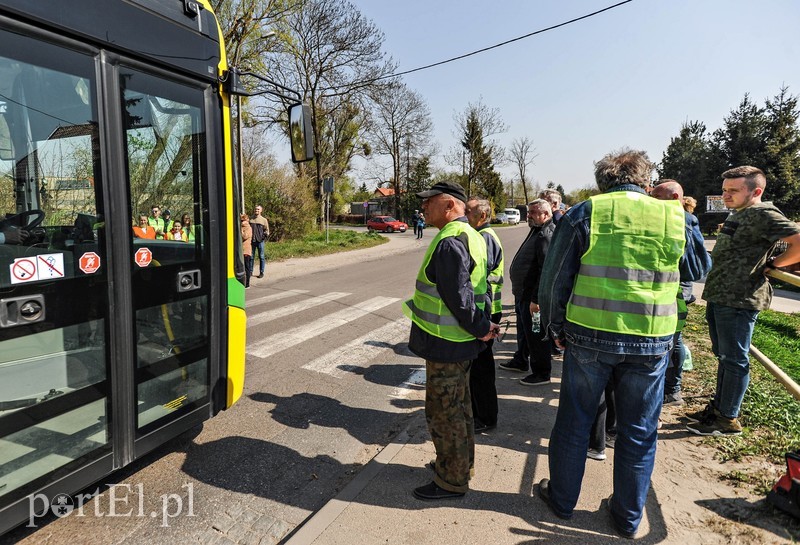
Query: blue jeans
{"type": "Point", "coordinates": [639, 388]}
{"type": "Point", "coordinates": [674, 376]}
{"type": "Point", "coordinates": [731, 330]}
{"type": "Point", "coordinates": [259, 247]}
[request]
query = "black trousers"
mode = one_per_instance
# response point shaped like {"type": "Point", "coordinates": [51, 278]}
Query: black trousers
{"type": "Point", "coordinates": [482, 384]}
{"type": "Point", "coordinates": [606, 419]}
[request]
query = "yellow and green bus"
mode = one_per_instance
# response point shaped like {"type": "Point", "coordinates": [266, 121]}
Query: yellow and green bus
{"type": "Point", "coordinates": [113, 341]}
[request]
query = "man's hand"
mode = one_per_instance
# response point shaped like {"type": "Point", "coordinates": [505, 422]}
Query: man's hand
{"type": "Point", "coordinates": [534, 308]}
{"type": "Point", "coordinates": [14, 235]}
{"type": "Point", "coordinates": [560, 344]}
{"type": "Point", "coordinates": [494, 331]}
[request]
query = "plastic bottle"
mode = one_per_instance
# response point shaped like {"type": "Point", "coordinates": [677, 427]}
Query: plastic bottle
{"type": "Point", "coordinates": [687, 362]}
{"type": "Point", "coordinates": [537, 322]}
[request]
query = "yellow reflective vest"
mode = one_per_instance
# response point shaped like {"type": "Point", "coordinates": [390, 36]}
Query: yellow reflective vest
{"type": "Point", "coordinates": [495, 278]}
{"type": "Point", "coordinates": [426, 308]}
{"type": "Point", "coordinates": [629, 275]}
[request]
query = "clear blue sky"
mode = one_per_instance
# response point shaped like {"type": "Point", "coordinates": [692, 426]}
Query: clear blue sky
{"type": "Point", "coordinates": [627, 77]}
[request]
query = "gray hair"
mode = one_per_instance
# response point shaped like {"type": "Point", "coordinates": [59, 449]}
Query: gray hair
{"type": "Point", "coordinates": [482, 205]}
{"type": "Point", "coordinates": [551, 195]}
{"type": "Point", "coordinates": [541, 205]}
{"type": "Point", "coordinates": [625, 166]}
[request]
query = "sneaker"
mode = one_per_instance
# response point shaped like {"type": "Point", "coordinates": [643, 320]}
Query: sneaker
{"type": "Point", "coordinates": [596, 454]}
{"type": "Point", "coordinates": [481, 426]}
{"type": "Point", "coordinates": [534, 380]}
{"type": "Point", "coordinates": [716, 425]}
{"type": "Point", "coordinates": [699, 416]}
{"type": "Point", "coordinates": [611, 439]}
{"type": "Point", "coordinates": [674, 400]}
{"type": "Point", "coordinates": [512, 365]}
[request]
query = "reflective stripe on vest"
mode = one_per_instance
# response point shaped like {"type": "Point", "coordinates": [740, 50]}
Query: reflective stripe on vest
{"type": "Point", "coordinates": [495, 278]}
{"type": "Point", "coordinates": [629, 275]}
{"type": "Point", "coordinates": [426, 308]}
{"type": "Point", "coordinates": [683, 311]}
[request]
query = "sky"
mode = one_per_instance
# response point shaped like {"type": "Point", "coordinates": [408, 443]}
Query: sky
{"type": "Point", "coordinates": [628, 77]}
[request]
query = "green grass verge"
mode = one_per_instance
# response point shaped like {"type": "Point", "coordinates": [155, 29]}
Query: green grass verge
{"type": "Point", "coordinates": [340, 241]}
{"type": "Point", "coordinates": [770, 415]}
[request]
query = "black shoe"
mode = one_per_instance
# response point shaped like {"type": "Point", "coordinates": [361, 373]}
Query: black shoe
{"type": "Point", "coordinates": [260, 275]}
{"type": "Point", "coordinates": [699, 416]}
{"type": "Point", "coordinates": [544, 493]}
{"type": "Point", "coordinates": [481, 426]}
{"type": "Point", "coordinates": [534, 380]}
{"type": "Point", "coordinates": [512, 365]}
{"type": "Point", "coordinates": [433, 491]}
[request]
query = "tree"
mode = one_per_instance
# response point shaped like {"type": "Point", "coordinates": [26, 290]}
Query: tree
{"type": "Point", "coordinates": [582, 194]}
{"type": "Point", "coordinates": [476, 125]}
{"type": "Point", "coordinates": [742, 138]}
{"type": "Point", "coordinates": [523, 153]}
{"type": "Point", "coordinates": [332, 54]}
{"type": "Point", "coordinates": [401, 125]}
{"type": "Point", "coordinates": [782, 153]}
{"type": "Point", "coordinates": [691, 160]}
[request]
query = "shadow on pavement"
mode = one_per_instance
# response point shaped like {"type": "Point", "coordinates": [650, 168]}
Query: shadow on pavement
{"type": "Point", "coordinates": [758, 514]}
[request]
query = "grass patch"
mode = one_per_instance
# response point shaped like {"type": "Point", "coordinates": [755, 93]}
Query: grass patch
{"type": "Point", "coordinates": [770, 415]}
{"type": "Point", "coordinates": [777, 335]}
{"type": "Point", "coordinates": [340, 241]}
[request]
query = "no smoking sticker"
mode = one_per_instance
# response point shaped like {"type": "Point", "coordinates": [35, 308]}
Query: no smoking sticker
{"type": "Point", "coordinates": [39, 267]}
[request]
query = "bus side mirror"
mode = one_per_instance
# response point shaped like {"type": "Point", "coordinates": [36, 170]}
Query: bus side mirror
{"type": "Point", "coordinates": [300, 133]}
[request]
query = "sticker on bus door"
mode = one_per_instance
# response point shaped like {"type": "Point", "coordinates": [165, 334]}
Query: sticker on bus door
{"type": "Point", "coordinates": [39, 267]}
{"type": "Point", "coordinates": [143, 257]}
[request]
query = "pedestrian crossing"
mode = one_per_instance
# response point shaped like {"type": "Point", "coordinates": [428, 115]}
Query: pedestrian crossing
{"type": "Point", "coordinates": [353, 356]}
{"type": "Point", "coordinates": [278, 342]}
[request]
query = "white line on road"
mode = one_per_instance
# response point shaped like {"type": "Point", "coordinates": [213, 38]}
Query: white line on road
{"type": "Point", "coordinates": [358, 352]}
{"type": "Point", "coordinates": [281, 341]}
{"type": "Point", "coordinates": [288, 310]}
{"type": "Point", "coordinates": [275, 297]}
{"type": "Point", "coordinates": [415, 381]}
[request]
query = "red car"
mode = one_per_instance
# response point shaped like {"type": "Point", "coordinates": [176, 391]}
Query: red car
{"type": "Point", "coordinates": [386, 223]}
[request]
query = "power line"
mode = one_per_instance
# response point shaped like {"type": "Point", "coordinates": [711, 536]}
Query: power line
{"type": "Point", "coordinates": [464, 56]}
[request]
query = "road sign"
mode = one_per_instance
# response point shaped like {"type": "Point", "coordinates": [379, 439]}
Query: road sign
{"type": "Point", "coordinates": [327, 184]}
{"type": "Point", "coordinates": [143, 257]}
{"type": "Point", "coordinates": [366, 204]}
{"type": "Point", "coordinates": [89, 262]}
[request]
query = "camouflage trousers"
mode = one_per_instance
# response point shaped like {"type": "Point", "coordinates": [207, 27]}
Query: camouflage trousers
{"type": "Point", "coordinates": [448, 411]}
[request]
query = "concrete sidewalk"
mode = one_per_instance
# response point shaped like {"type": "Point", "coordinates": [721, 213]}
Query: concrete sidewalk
{"type": "Point", "coordinates": [688, 502]}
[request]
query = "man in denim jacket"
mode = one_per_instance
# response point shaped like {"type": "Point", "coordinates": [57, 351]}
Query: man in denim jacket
{"type": "Point", "coordinates": [636, 363]}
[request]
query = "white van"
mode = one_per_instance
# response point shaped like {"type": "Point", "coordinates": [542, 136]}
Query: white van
{"type": "Point", "coordinates": [513, 216]}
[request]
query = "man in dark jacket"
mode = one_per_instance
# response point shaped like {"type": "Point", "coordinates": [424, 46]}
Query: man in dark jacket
{"type": "Point", "coordinates": [539, 345]}
{"type": "Point", "coordinates": [521, 266]}
{"type": "Point", "coordinates": [450, 324]}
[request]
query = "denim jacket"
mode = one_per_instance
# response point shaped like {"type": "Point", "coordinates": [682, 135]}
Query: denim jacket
{"type": "Point", "coordinates": [570, 242]}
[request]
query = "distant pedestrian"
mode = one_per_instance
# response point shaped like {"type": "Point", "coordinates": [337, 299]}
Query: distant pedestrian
{"type": "Point", "coordinates": [414, 220]}
{"type": "Point", "coordinates": [420, 225]}
{"type": "Point", "coordinates": [737, 290]}
{"type": "Point", "coordinates": [247, 247]}
{"type": "Point", "coordinates": [608, 293]}
{"type": "Point", "coordinates": [260, 226]}
{"type": "Point", "coordinates": [554, 198]}
{"type": "Point", "coordinates": [450, 326]}
{"type": "Point", "coordinates": [482, 385]}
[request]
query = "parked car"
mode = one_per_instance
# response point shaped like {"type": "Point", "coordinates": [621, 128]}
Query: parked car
{"type": "Point", "coordinates": [513, 216]}
{"type": "Point", "coordinates": [386, 224]}
{"type": "Point", "coordinates": [500, 217]}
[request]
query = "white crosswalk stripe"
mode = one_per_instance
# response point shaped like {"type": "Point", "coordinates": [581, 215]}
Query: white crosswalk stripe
{"type": "Point", "coordinates": [358, 352]}
{"type": "Point", "coordinates": [281, 341]}
{"type": "Point", "coordinates": [415, 381]}
{"type": "Point", "coordinates": [288, 310]}
{"type": "Point", "coordinates": [274, 297]}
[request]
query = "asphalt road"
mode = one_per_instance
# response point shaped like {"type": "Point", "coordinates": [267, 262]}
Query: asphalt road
{"type": "Point", "coordinates": [329, 383]}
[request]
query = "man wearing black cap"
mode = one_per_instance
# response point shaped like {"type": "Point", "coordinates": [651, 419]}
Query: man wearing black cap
{"type": "Point", "coordinates": [450, 324]}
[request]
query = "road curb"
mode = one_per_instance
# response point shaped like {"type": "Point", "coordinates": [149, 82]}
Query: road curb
{"type": "Point", "coordinates": [316, 525]}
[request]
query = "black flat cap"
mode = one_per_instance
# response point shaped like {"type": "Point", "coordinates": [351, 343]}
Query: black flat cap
{"type": "Point", "coordinates": [448, 188]}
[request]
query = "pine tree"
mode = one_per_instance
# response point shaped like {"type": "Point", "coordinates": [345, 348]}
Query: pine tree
{"type": "Point", "coordinates": [782, 154]}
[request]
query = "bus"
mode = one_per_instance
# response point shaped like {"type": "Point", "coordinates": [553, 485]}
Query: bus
{"type": "Point", "coordinates": [111, 344]}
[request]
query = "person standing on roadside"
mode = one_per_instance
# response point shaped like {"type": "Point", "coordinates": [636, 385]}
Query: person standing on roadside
{"type": "Point", "coordinates": [607, 294]}
{"type": "Point", "coordinates": [247, 248]}
{"type": "Point", "coordinates": [260, 226]}
{"type": "Point", "coordinates": [450, 325]}
{"type": "Point", "coordinates": [695, 253]}
{"type": "Point", "coordinates": [481, 374]}
{"type": "Point", "coordinates": [414, 220]}
{"type": "Point", "coordinates": [737, 290]}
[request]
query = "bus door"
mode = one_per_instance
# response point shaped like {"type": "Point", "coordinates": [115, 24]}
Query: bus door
{"type": "Point", "coordinates": [166, 173]}
{"type": "Point", "coordinates": [55, 366]}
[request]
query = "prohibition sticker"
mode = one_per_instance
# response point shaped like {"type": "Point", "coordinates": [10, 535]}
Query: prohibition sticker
{"type": "Point", "coordinates": [89, 262]}
{"type": "Point", "coordinates": [40, 267]}
{"type": "Point", "coordinates": [143, 257]}
{"type": "Point", "coordinates": [23, 269]}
